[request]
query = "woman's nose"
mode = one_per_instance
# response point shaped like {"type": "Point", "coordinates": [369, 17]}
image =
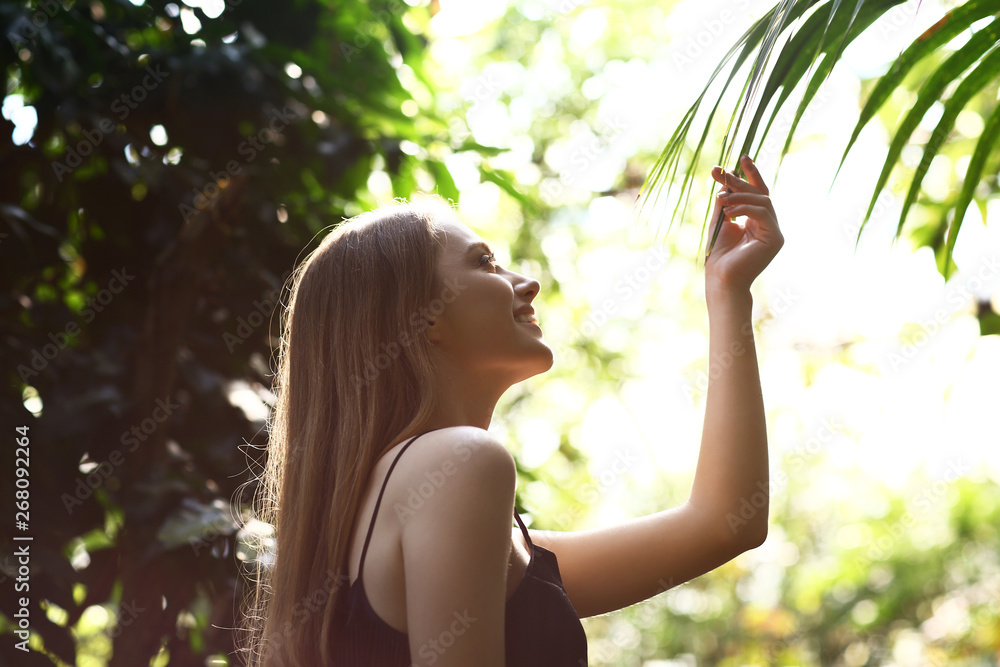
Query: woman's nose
{"type": "Point", "coordinates": [527, 287]}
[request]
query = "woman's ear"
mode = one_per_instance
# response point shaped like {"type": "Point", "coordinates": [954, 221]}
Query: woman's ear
{"type": "Point", "coordinates": [433, 330]}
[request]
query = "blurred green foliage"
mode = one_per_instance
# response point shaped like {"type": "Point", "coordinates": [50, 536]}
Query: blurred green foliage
{"type": "Point", "coordinates": [179, 165]}
{"type": "Point", "coordinates": [143, 388]}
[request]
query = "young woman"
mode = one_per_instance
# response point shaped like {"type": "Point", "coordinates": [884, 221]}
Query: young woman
{"type": "Point", "coordinates": [392, 502]}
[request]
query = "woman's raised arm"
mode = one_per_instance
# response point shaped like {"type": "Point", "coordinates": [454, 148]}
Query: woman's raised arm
{"type": "Point", "coordinates": [605, 569]}
{"type": "Point", "coordinates": [731, 481]}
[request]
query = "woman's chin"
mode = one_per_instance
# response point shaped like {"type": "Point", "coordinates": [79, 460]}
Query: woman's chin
{"type": "Point", "coordinates": [544, 362]}
{"type": "Point", "coordinates": [550, 360]}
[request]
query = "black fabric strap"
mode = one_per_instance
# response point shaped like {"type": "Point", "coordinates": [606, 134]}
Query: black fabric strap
{"type": "Point", "coordinates": [371, 525]}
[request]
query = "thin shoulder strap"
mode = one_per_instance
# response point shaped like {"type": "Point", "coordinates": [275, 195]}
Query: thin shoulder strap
{"type": "Point", "coordinates": [371, 525]}
{"type": "Point", "coordinates": [527, 539]}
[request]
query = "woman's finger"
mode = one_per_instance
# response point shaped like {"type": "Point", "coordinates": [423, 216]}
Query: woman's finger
{"type": "Point", "coordinates": [734, 198]}
{"type": "Point", "coordinates": [729, 233]}
{"type": "Point", "coordinates": [731, 180]}
{"type": "Point", "coordinates": [762, 214]}
{"type": "Point", "coordinates": [753, 176]}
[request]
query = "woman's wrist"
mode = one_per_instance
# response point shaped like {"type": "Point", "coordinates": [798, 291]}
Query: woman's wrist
{"type": "Point", "coordinates": [718, 291]}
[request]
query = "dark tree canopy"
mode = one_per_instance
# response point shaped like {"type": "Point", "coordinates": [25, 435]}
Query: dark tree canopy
{"type": "Point", "coordinates": [149, 223]}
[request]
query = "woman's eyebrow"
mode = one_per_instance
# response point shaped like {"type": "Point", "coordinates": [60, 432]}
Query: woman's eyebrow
{"type": "Point", "coordinates": [478, 244]}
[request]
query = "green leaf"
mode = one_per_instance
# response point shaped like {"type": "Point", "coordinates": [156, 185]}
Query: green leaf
{"type": "Point", "coordinates": [442, 177]}
{"type": "Point", "coordinates": [985, 72]}
{"type": "Point", "coordinates": [942, 32]}
{"type": "Point", "coordinates": [872, 11]}
{"type": "Point", "coordinates": [929, 93]}
{"type": "Point", "coordinates": [195, 522]}
{"type": "Point", "coordinates": [483, 150]}
{"type": "Point", "coordinates": [785, 11]}
{"type": "Point", "coordinates": [987, 143]}
{"type": "Point", "coordinates": [506, 182]}
{"type": "Point", "coordinates": [672, 152]}
{"type": "Point", "coordinates": [989, 323]}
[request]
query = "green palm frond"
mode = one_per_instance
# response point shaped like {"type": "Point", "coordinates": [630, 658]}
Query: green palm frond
{"type": "Point", "coordinates": [816, 28]}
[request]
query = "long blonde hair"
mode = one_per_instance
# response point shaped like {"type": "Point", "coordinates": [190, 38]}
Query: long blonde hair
{"type": "Point", "coordinates": [353, 379]}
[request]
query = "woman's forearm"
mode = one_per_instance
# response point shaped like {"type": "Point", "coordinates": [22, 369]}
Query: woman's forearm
{"type": "Point", "coordinates": [731, 479]}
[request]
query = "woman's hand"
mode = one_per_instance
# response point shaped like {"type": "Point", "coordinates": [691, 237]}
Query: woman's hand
{"type": "Point", "coordinates": [739, 254]}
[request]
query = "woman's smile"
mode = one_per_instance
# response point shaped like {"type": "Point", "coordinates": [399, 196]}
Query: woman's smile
{"type": "Point", "coordinates": [526, 316]}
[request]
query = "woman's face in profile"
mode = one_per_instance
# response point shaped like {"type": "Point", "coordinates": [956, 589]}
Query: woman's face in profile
{"type": "Point", "coordinates": [478, 327]}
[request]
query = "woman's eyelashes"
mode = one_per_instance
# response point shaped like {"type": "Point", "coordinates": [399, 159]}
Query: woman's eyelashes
{"type": "Point", "coordinates": [491, 258]}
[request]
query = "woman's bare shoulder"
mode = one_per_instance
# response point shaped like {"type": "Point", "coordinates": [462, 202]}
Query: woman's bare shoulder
{"type": "Point", "coordinates": [453, 451]}
{"type": "Point", "coordinates": [450, 469]}
{"type": "Point", "coordinates": [456, 541]}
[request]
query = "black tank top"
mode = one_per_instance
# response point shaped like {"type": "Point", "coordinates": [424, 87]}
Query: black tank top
{"type": "Point", "coordinates": [541, 626]}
